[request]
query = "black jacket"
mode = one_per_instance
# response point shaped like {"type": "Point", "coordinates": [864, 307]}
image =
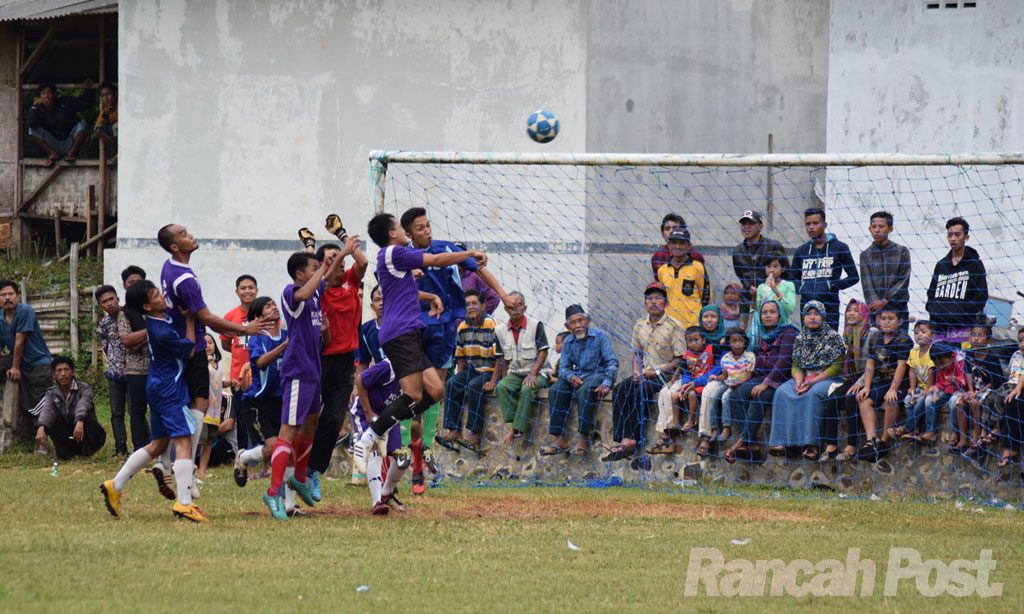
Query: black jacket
{"type": "Point", "coordinates": [62, 117]}
{"type": "Point", "coordinates": [745, 261]}
{"type": "Point", "coordinates": [957, 294]}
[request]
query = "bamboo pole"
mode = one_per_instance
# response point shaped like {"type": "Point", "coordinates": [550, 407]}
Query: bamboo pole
{"type": "Point", "coordinates": [74, 297]}
{"type": "Point", "coordinates": [89, 212]}
{"type": "Point", "coordinates": [96, 238]}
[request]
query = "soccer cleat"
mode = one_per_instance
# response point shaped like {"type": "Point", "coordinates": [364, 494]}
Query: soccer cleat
{"type": "Point", "coordinates": [302, 489]}
{"type": "Point", "coordinates": [313, 480]}
{"type": "Point", "coordinates": [296, 512]}
{"type": "Point", "coordinates": [361, 453]}
{"type": "Point", "coordinates": [401, 458]}
{"type": "Point", "coordinates": [189, 512]}
{"type": "Point", "coordinates": [419, 486]}
{"type": "Point", "coordinates": [112, 498]}
{"type": "Point", "coordinates": [275, 503]}
{"type": "Point", "coordinates": [393, 502]}
{"type": "Point", "coordinates": [335, 227]}
{"type": "Point", "coordinates": [428, 461]}
{"type": "Point", "coordinates": [163, 481]}
{"type": "Point", "coordinates": [241, 473]}
{"type": "Point", "coordinates": [307, 237]}
{"type": "Point", "coordinates": [380, 509]}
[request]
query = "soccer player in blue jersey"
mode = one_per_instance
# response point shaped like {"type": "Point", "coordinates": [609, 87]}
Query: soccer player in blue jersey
{"type": "Point", "coordinates": [440, 333]}
{"type": "Point", "coordinates": [168, 399]}
{"type": "Point", "coordinates": [300, 377]}
{"type": "Point", "coordinates": [377, 387]}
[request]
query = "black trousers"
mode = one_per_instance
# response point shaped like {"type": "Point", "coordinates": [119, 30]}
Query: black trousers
{"type": "Point", "coordinates": [337, 371]}
{"type": "Point", "coordinates": [66, 447]}
{"type": "Point", "coordinates": [632, 406]}
{"type": "Point", "coordinates": [137, 410]}
{"type": "Point", "coordinates": [838, 403]}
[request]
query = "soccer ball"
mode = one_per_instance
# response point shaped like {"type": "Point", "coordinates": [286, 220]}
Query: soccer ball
{"type": "Point", "coordinates": [542, 126]}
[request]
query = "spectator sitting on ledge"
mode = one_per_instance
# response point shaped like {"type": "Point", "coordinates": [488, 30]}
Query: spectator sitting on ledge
{"type": "Point", "coordinates": [67, 415]}
{"type": "Point", "coordinates": [53, 121]}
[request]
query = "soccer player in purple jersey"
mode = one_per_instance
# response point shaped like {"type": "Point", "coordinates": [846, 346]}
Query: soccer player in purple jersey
{"type": "Point", "coordinates": [376, 388]}
{"type": "Point", "coordinates": [300, 377]}
{"type": "Point", "coordinates": [181, 290]}
{"type": "Point", "coordinates": [401, 329]}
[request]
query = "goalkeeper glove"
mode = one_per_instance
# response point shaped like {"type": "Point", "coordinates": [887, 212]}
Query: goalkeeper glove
{"type": "Point", "coordinates": [307, 237]}
{"type": "Point", "coordinates": [333, 226]}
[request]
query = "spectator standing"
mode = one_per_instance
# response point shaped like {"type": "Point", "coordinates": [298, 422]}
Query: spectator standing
{"type": "Point", "coordinates": [747, 259]}
{"type": "Point", "coordinates": [885, 269]}
{"type": "Point", "coordinates": [67, 415]}
{"type": "Point", "coordinates": [246, 289]}
{"type": "Point", "coordinates": [28, 359]}
{"type": "Point", "coordinates": [685, 280]}
{"type": "Point", "coordinates": [523, 364]}
{"type": "Point", "coordinates": [113, 349]}
{"type": "Point", "coordinates": [131, 329]}
{"type": "Point", "coordinates": [53, 121]}
{"type": "Point", "coordinates": [958, 291]}
{"type": "Point", "coordinates": [819, 265]}
{"type": "Point", "coordinates": [670, 223]}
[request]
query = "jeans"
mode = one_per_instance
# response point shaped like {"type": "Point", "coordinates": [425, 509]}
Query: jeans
{"type": "Point", "coordinates": [336, 381]}
{"type": "Point", "coordinates": [631, 405]}
{"type": "Point", "coordinates": [61, 146]}
{"type": "Point", "coordinates": [118, 401]}
{"type": "Point", "coordinates": [715, 396]}
{"type": "Point", "coordinates": [747, 412]}
{"type": "Point", "coordinates": [516, 399]}
{"type": "Point", "coordinates": [136, 385]}
{"type": "Point", "coordinates": [465, 388]}
{"type": "Point", "coordinates": [560, 403]}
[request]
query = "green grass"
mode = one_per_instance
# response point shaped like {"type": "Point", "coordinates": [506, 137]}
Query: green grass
{"type": "Point", "coordinates": [460, 548]}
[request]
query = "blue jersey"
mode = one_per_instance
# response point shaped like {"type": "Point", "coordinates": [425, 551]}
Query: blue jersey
{"type": "Point", "coordinates": [446, 283]}
{"type": "Point", "coordinates": [165, 383]}
{"type": "Point", "coordinates": [369, 344]}
{"type": "Point", "coordinates": [265, 382]}
{"type": "Point", "coordinates": [301, 359]}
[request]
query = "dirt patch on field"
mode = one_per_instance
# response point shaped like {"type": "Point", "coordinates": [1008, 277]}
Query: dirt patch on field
{"type": "Point", "coordinates": [539, 509]}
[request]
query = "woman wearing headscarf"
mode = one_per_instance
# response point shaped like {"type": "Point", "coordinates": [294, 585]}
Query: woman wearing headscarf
{"type": "Point", "coordinates": [843, 399]}
{"type": "Point", "coordinates": [713, 325]}
{"type": "Point", "coordinates": [818, 354]}
{"type": "Point", "coordinates": [774, 354]}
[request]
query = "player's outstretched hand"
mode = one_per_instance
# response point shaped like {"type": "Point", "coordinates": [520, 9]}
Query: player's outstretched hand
{"type": "Point", "coordinates": [259, 324]}
{"type": "Point", "coordinates": [352, 243]}
{"type": "Point", "coordinates": [307, 237]}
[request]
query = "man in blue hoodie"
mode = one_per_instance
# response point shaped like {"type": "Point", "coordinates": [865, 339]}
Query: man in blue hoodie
{"type": "Point", "coordinates": [818, 266]}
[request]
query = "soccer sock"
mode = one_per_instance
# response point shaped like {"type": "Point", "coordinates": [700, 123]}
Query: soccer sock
{"type": "Point", "coordinates": [400, 409]}
{"type": "Point", "coordinates": [303, 444]}
{"type": "Point", "coordinates": [373, 475]}
{"type": "Point", "coordinates": [132, 465]}
{"type": "Point", "coordinates": [197, 431]}
{"type": "Point", "coordinates": [165, 459]}
{"type": "Point", "coordinates": [417, 457]}
{"type": "Point", "coordinates": [395, 473]}
{"type": "Point", "coordinates": [251, 456]}
{"type": "Point", "coordinates": [183, 479]}
{"type": "Point", "coordinates": [279, 461]}
{"type": "Point", "coordinates": [289, 494]}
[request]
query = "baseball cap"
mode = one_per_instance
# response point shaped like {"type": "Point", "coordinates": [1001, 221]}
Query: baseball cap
{"type": "Point", "coordinates": [680, 234]}
{"type": "Point", "coordinates": [656, 287]}
{"type": "Point", "coordinates": [751, 216]}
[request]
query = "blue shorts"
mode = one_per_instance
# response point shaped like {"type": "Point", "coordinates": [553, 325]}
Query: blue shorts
{"type": "Point", "coordinates": [439, 343]}
{"type": "Point", "coordinates": [299, 401]}
{"type": "Point", "coordinates": [177, 422]}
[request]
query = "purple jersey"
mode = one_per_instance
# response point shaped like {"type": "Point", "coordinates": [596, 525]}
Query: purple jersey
{"type": "Point", "coordinates": [301, 359]}
{"type": "Point", "coordinates": [382, 388]}
{"type": "Point", "coordinates": [181, 289]}
{"type": "Point", "coordinates": [399, 291]}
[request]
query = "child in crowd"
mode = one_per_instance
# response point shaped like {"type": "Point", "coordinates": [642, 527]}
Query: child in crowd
{"type": "Point", "coordinates": [730, 306]}
{"type": "Point", "coordinates": [685, 279]}
{"type": "Point", "coordinates": [211, 422]}
{"type": "Point", "coordinates": [922, 377]}
{"type": "Point", "coordinates": [986, 373]}
{"type": "Point", "coordinates": [774, 288]}
{"type": "Point", "coordinates": [737, 366]}
{"type": "Point", "coordinates": [1013, 406]}
{"type": "Point", "coordinates": [699, 367]}
{"type": "Point", "coordinates": [559, 340]}
{"type": "Point", "coordinates": [950, 386]}
{"type": "Point", "coordinates": [884, 382]}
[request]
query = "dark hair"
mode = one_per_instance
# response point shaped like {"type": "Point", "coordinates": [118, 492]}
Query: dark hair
{"type": "Point", "coordinates": [476, 293]}
{"type": "Point", "coordinates": [1019, 332]}
{"type": "Point", "coordinates": [165, 238]}
{"type": "Point", "coordinates": [321, 252]}
{"type": "Point", "coordinates": [737, 331]}
{"type": "Point", "coordinates": [4, 283]}
{"type": "Point", "coordinates": [924, 323]}
{"type": "Point", "coordinates": [107, 85]}
{"type": "Point", "coordinates": [138, 295]}
{"type": "Point", "coordinates": [256, 307]}
{"type": "Point", "coordinates": [130, 270]}
{"type": "Point", "coordinates": [61, 360]}
{"type": "Point", "coordinates": [410, 216]}
{"type": "Point", "coordinates": [241, 278]}
{"type": "Point", "coordinates": [49, 85]}
{"type": "Point", "coordinates": [217, 356]}
{"type": "Point", "coordinates": [565, 333]}
{"type": "Point", "coordinates": [375, 289]}
{"type": "Point", "coordinates": [891, 310]}
{"type": "Point", "coordinates": [379, 227]}
{"type": "Point", "coordinates": [958, 221]}
{"type": "Point", "coordinates": [767, 259]}
{"type": "Point", "coordinates": [297, 262]}
{"type": "Point", "coordinates": [885, 215]}
{"type": "Point", "coordinates": [983, 323]}
{"type": "Point", "coordinates": [697, 330]}
{"type": "Point", "coordinates": [940, 350]}
{"type": "Point", "coordinates": [814, 211]}
{"type": "Point", "coordinates": [103, 290]}
{"type": "Point", "coordinates": [673, 217]}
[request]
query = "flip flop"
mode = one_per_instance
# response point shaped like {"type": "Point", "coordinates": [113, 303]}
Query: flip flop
{"type": "Point", "coordinates": [553, 450]}
{"type": "Point", "coordinates": [445, 443]}
{"type": "Point", "coordinates": [465, 444]}
{"type": "Point", "coordinates": [616, 454]}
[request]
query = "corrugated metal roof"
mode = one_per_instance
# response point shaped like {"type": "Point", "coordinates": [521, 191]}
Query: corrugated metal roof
{"type": "Point", "coordinates": [46, 9]}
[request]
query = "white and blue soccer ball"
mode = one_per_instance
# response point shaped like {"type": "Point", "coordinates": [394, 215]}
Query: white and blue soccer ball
{"type": "Point", "coordinates": [542, 126]}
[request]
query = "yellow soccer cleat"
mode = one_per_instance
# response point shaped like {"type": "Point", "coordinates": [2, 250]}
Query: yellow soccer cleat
{"type": "Point", "coordinates": [112, 498]}
{"type": "Point", "coordinates": [189, 512]}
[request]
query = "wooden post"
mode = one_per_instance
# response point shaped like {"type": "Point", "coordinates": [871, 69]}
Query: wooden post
{"type": "Point", "coordinates": [56, 232]}
{"type": "Point", "coordinates": [95, 342]}
{"type": "Point", "coordinates": [771, 187]}
{"type": "Point", "coordinates": [74, 297]}
{"type": "Point", "coordinates": [23, 286]}
{"type": "Point", "coordinates": [89, 212]}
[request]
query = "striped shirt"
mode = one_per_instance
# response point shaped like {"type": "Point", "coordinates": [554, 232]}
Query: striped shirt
{"type": "Point", "coordinates": [477, 344]}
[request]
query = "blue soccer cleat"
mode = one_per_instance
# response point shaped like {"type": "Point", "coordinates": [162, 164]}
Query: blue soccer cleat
{"type": "Point", "coordinates": [275, 503]}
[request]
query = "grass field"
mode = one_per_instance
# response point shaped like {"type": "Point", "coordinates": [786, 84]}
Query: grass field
{"type": "Point", "coordinates": [459, 548]}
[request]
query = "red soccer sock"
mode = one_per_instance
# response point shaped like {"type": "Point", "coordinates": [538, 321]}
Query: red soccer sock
{"type": "Point", "coordinates": [279, 461]}
{"type": "Point", "coordinates": [384, 468]}
{"type": "Point", "coordinates": [303, 444]}
{"type": "Point", "coordinates": [417, 455]}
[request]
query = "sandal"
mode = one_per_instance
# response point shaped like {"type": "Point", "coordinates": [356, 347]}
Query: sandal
{"type": "Point", "coordinates": [730, 456]}
{"type": "Point", "coordinates": [665, 446]}
{"type": "Point", "coordinates": [553, 450]}
{"type": "Point", "coordinates": [829, 455]}
{"type": "Point", "coordinates": [743, 454]}
{"type": "Point", "coordinates": [674, 430]}
{"type": "Point", "coordinates": [447, 444]}
{"type": "Point", "coordinates": [474, 448]}
{"type": "Point", "coordinates": [974, 451]}
{"type": "Point", "coordinates": [810, 454]}
{"type": "Point", "coordinates": [869, 451]}
{"type": "Point", "coordinates": [617, 453]}
{"type": "Point", "coordinates": [1008, 459]}
{"type": "Point", "coordinates": [777, 451]}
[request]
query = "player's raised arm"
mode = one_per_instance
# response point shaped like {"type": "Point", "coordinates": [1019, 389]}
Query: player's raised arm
{"type": "Point", "coordinates": [450, 258]}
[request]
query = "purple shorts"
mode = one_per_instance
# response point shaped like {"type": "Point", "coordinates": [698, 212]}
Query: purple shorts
{"type": "Point", "coordinates": [299, 401]}
{"type": "Point", "coordinates": [360, 424]}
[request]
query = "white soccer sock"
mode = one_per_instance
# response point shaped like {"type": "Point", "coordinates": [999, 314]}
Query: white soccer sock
{"type": "Point", "coordinates": [183, 479]}
{"type": "Point", "coordinates": [198, 432]}
{"type": "Point", "coordinates": [251, 456]}
{"type": "Point", "coordinates": [132, 465]}
{"type": "Point", "coordinates": [373, 478]}
{"type": "Point", "coordinates": [394, 477]}
{"type": "Point", "coordinates": [289, 494]}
